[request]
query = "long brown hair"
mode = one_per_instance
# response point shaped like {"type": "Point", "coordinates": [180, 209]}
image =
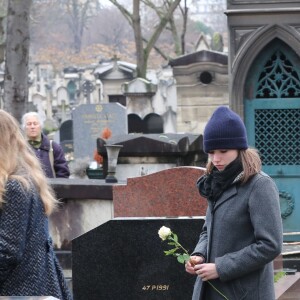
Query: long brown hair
{"type": "Point", "coordinates": [250, 160]}
{"type": "Point", "coordinates": [19, 162]}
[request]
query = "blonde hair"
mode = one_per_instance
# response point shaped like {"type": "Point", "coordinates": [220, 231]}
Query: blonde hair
{"type": "Point", "coordinates": [251, 164]}
{"type": "Point", "coordinates": [19, 162]}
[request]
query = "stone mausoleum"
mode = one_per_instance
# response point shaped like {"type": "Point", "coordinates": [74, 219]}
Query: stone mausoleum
{"type": "Point", "coordinates": [264, 88]}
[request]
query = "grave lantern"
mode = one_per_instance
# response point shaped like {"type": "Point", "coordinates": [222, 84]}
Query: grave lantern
{"type": "Point", "coordinates": [112, 158]}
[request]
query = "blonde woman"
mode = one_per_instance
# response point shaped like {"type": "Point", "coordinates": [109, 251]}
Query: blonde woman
{"type": "Point", "coordinates": [242, 233]}
{"type": "Point", "coordinates": [28, 265]}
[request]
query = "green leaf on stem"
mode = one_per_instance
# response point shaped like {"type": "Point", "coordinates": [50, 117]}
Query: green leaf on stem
{"type": "Point", "coordinates": [172, 243]}
{"type": "Point", "coordinates": [175, 237]}
{"type": "Point", "coordinates": [182, 258]}
{"type": "Point", "coordinates": [170, 252]}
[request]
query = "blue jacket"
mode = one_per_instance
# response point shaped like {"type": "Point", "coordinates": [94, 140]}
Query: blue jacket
{"type": "Point", "coordinates": [242, 235]}
{"type": "Point", "coordinates": [28, 265]}
{"type": "Point", "coordinates": [60, 164]}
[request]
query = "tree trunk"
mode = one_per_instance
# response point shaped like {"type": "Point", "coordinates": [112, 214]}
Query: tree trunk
{"type": "Point", "coordinates": [136, 24]}
{"type": "Point", "coordinates": [17, 56]}
{"type": "Point", "coordinates": [3, 13]}
{"type": "Point", "coordinates": [184, 27]}
{"type": "Point", "coordinates": [156, 33]}
{"type": "Point", "coordinates": [134, 19]}
{"type": "Point", "coordinates": [78, 17]}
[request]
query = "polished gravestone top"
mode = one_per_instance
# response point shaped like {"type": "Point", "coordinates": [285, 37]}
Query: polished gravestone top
{"type": "Point", "coordinates": [167, 193]}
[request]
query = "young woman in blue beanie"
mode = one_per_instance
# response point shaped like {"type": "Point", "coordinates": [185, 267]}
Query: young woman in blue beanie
{"type": "Point", "coordinates": [28, 265]}
{"type": "Point", "coordinates": [242, 234]}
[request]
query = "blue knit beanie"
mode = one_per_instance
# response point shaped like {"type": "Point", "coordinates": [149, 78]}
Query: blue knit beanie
{"type": "Point", "coordinates": [224, 130]}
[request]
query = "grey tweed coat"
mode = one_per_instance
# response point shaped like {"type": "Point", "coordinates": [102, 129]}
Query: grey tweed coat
{"type": "Point", "coordinates": [242, 236]}
{"type": "Point", "coordinates": [28, 266]}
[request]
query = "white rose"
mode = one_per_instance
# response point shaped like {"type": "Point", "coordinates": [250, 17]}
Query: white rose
{"type": "Point", "coordinates": [164, 232]}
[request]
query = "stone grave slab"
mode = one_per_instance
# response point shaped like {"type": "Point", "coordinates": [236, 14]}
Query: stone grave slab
{"type": "Point", "coordinates": [168, 193]}
{"type": "Point", "coordinates": [124, 259]}
{"type": "Point", "coordinates": [88, 122]}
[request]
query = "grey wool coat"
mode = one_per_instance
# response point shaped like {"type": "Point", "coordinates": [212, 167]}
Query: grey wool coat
{"type": "Point", "coordinates": [242, 235]}
{"type": "Point", "coordinates": [28, 266]}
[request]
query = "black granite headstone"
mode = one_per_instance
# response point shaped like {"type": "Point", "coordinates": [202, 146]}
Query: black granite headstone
{"type": "Point", "coordinates": [124, 259]}
{"type": "Point", "coordinates": [135, 124]}
{"type": "Point", "coordinates": [153, 123]}
{"type": "Point", "coordinates": [66, 131]}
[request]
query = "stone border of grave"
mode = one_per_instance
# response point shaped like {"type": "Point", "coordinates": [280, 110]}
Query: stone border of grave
{"type": "Point", "coordinates": [81, 188]}
{"type": "Point", "coordinates": [285, 285]}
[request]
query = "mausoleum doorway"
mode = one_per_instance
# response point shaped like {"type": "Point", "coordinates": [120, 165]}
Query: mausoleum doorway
{"type": "Point", "coordinates": [272, 118]}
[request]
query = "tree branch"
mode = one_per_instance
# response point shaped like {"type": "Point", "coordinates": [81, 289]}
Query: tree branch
{"type": "Point", "coordinates": [159, 51]}
{"type": "Point", "coordinates": [164, 20]}
{"type": "Point", "coordinates": [128, 16]}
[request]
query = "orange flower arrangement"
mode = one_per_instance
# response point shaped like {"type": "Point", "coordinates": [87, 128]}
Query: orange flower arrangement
{"type": "Point", "coordinates": [106, 134]}
{"type": "Point", "coordinates": [98, 157]}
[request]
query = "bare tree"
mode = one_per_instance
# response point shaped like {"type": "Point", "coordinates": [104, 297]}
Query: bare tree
{"type": "Point", "coordinates": [177, 38]}
{"type": "Point", "coordinates": [48, 26]}
{"type": "Point", "coordinates": [143, 45]}
{"type": "Point", "coordinates": [16, 57]}
{"type": "Point", "coordinates": [180, 49]}
{"type": "Point", "coordinates": [115, 34]}
{"type": "Point", "coordinates": [78, 12]}
{"type": "Point", "coordinates": [64, 21]}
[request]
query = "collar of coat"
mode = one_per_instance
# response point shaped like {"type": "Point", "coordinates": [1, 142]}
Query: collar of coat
{"type": "Point", "coordinates": [45, 145]}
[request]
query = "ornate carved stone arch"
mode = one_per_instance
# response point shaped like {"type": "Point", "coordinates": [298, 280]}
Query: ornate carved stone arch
{"type": "Point", "coordinates": [249, 51]}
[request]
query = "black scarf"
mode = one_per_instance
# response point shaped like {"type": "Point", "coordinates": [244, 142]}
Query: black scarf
{"type": "Point", "coordinates": [213, 185]}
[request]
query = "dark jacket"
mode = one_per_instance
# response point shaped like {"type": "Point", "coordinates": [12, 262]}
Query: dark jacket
{"type": "Point", "coordinates": [28, 265]}
{"type": "Point", "coordinates": [60, 164]}
{"type": "Point", "coordinates": [242, 236]}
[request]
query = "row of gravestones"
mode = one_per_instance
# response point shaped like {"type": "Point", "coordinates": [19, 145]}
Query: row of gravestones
{"type": "Point", "coordinates": [78, 136]}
